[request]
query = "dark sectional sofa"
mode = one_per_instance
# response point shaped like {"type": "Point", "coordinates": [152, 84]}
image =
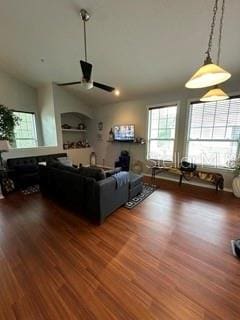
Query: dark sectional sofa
{"type": "Point", "coordinates": [90, 191]}
{"type": "Point", "coordinates": [85, 190]}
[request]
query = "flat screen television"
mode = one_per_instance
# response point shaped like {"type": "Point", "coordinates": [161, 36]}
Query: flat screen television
{"type": "Point", "coordinates": [124, 132]}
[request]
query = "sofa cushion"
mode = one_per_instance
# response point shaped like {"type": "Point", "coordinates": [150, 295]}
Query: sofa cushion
{"type": "Point", "coordinates": [45, 158]}
{"type": "Point", "coordinates": [68, 169]}
{"type": "Point", "coordinates": [26, 168]}
{"type": "Point", "coordinates": [12, 163]}
{"type": "Point", "coordinates": [58, 165]}
{"type": "Point", "coordinates": [92, 172]}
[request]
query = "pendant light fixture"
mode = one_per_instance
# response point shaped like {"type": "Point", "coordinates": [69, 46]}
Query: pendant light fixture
{"type": "Point", "coordinates": [209, 74]}
{"type": "Point", "coordinates": [216, 93]}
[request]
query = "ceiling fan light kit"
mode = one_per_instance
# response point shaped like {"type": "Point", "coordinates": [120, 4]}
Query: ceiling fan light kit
{"type": "Point", "coordinates": [87, 82]}
{"type": "Point", "coordinates": [117, 92]}
{"type": "Point", "coordinates": [88, 85]}
{"type": "Point", "coordinates": [210, 74]}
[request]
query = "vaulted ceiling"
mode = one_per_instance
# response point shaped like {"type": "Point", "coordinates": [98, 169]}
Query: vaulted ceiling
{"type": "Point", "coordinates": [139, 46]}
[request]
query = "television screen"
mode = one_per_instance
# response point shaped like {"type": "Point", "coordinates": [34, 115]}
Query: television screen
{"type": "Point", "coordinates": [124, 132]}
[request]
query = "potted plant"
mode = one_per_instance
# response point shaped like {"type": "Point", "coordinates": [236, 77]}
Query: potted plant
{"type": "Point", "coordinates": [7, 123]}
{"type": "Point", "coordinates": [235, 165]}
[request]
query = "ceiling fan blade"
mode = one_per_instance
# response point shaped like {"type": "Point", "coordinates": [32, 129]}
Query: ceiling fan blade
{"type": "Point", "coordinates": [86, 70]}
{"type": "Point", "coordinates": [103, 86]}
{"type": "Point", "coordinates": [68, 83]}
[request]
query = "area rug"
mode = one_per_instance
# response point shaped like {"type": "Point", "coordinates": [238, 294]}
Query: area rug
{"type": "Point", "coordinates": [31, 190]}
{"type": "Point", "coordinates": [147, 191]}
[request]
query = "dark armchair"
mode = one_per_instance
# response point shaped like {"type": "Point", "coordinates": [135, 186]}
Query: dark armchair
{"type": "Point", "coordinates": [123, 161]}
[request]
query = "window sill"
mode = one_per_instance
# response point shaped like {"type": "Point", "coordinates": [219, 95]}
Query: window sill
{"type": "Point", "coordinates": [210, 168]}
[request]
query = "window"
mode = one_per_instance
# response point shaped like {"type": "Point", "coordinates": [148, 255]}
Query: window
{"type": "Point", "coordinates": [161, 132]}
{"type": "Point", "coordinates": [214, 132]}
{"type": "Point", "coordinates": [25, 132]}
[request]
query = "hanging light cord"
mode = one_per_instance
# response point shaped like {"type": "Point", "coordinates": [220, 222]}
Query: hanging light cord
{"type": "Point", "coordinates": [85, 39]}
{"type": "Point", "coordinates": [220, 32]}
{"type": "Point", "coordinates": [215, 9]}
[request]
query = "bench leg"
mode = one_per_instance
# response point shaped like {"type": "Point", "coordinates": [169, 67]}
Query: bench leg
{"type": "Point", "coordinates": [180, 180]}
{"type": "Point", "coordinates": [153, 177]}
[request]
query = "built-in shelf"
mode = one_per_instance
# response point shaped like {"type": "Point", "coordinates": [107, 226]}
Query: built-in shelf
{"type": "Point", "coordinates": [73, 130]}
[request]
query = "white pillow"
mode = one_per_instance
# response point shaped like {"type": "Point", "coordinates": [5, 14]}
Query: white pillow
{"type": "Point", "coordinates": [65, 161]}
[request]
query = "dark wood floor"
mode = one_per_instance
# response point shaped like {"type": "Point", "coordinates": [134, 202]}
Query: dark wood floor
{"type": "Point", "coordinates": [169, 258]}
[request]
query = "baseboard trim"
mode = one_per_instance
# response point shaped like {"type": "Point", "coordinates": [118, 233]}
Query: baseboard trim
{"type": "Point", "coordinates": [193, 183]}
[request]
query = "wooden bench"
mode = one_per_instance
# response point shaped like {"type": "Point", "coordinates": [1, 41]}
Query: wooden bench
{"type": "Point", "coordinates": [211, 177]}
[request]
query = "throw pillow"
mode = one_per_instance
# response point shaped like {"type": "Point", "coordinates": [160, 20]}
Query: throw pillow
{"type": "Point", "coordinates": [91, 172]}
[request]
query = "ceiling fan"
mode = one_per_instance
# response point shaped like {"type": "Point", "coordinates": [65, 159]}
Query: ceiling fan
{"type": "Point", "coordinates": [86, 67]}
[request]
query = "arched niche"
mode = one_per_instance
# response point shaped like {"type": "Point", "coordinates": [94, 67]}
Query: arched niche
{"type": "Point", "coordinates": [75, 129]}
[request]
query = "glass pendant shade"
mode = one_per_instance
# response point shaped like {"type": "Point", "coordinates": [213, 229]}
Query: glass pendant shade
{"type": "Point", "coordinates": [208, 75]}
{"type": "Point", "coordinates": [211, 74]}
{"type": "Point", "coordinates": [215, 94]}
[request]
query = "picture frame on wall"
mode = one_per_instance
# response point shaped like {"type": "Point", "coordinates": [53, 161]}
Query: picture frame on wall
{"type": "Point", "coordinates": [100, 125]}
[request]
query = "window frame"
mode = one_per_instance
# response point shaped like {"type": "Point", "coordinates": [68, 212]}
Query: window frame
{"type": "Point", "coordinates": [35, 130]}
{"type": "Point", "coordinates": [187, 135]}
{"type": "Point", "coordinates": [161, 106]}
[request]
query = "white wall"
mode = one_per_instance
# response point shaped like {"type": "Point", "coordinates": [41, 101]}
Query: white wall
{"type": "Point", "coordinates": [66, 102]}
{"type": "Point", "coordinates": [15, 94]}
{"type": "Point", "coordinates": [47, 115]}
{"type": "Point", "coordinates": [19, 96]}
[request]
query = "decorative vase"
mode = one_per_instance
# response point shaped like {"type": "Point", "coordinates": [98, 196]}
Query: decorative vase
{"type": "Point", "coordinates": [81, 126]}
{"type": "Point", "coordinates": [236, 186]}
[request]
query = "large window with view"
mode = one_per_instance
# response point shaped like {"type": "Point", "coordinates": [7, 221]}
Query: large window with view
{"type": "Point", "coordinates": [214, 132]}
{"type": "Point", "coordinates": [25, 133]}
{"type": "Point", "coordinates": [161, 132]}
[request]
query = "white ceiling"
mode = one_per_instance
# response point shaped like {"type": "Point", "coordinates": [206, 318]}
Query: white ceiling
{"type": "Point", "coordinates": [139, 46]}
